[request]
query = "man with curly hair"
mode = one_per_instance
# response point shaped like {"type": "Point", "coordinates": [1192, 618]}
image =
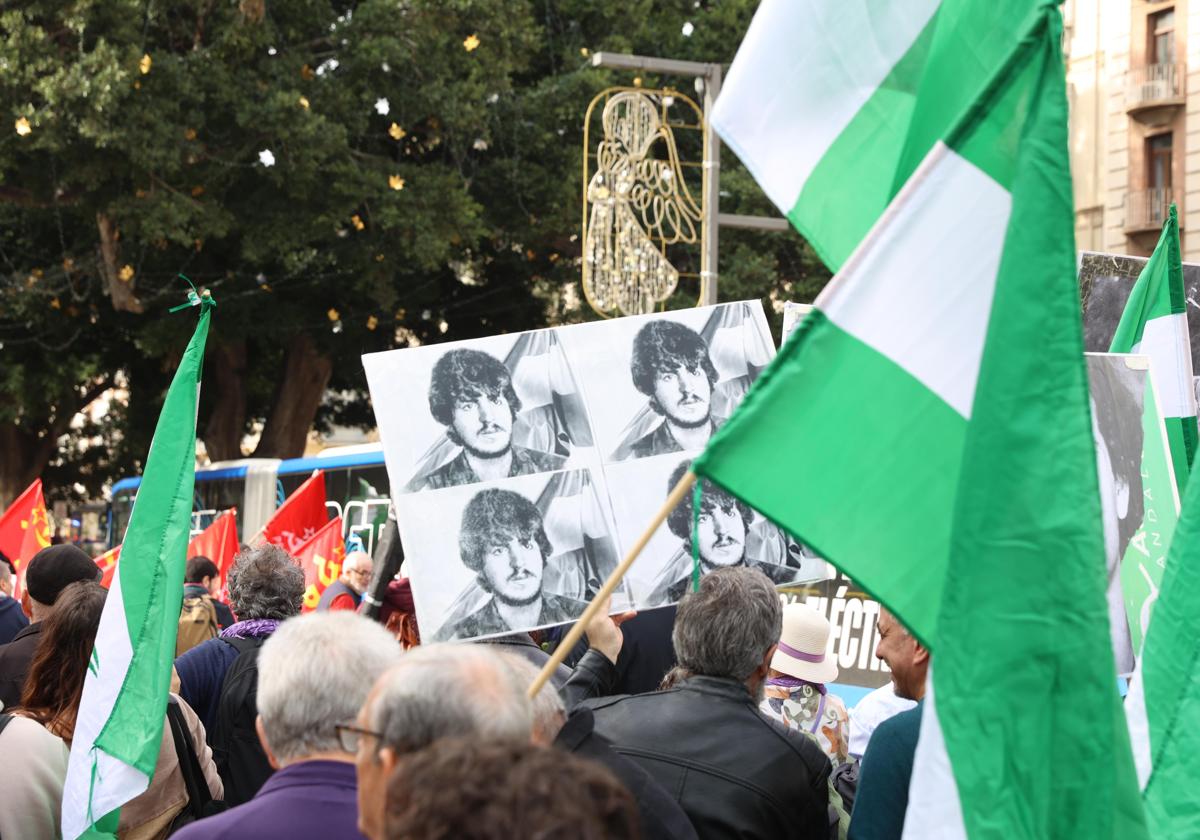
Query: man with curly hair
{"type": "Point", "coordinates": [503, 541]}
{"type": "Point", "coordinates": [671, 366]}
{"type": "Point", "coordinates": [472, 395]}
{"type": "Point", "coordinates": [726, 535]}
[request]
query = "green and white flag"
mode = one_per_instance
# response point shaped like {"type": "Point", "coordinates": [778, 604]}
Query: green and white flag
{"type": "Point", "coordinates": [1154, 324]}
{"type": "Point", "coordinates": [120, 722]}
{"type": "Point", "coordinates": [927, 430]}
{"type": "Point", "coordinates": [832, 105]}
{"type": "Point", "coordinates": [1163, 705]}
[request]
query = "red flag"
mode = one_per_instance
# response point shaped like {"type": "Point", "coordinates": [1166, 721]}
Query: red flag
{"type": "Point", "coordinates": [321, 558]}
{"type": "Point", "coordinates": [108, 565]}
{"type": "Point", "coordinates": [300, 516]}
{"type": "Point", "coordinates": [24, 530]}
{"type": "Point", "coordinates": [218, 542]}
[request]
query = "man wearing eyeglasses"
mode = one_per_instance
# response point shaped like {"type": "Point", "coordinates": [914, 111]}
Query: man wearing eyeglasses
{"type": "Point", "coordinates": [346, 592]}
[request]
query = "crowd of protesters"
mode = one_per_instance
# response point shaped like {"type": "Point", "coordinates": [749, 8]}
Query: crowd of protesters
{"type": "Point", "coordinates": [713, 718]}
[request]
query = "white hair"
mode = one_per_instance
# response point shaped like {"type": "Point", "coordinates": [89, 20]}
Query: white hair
{"type": "Point", "coordinates": [5, 573]}
{"type": "Point", "coordinates": [446, 690]}
{"type": "Point", "coordinates": [355, 559]}
{"type": "Point", "coordinates": [549, 713]}
{"type": "Point", "coordinates": [314, 672]}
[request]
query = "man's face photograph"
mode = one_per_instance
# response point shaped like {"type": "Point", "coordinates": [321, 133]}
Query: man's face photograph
{"type": "Point", "coordinates": [683, 394]}
{"type": "Point", "coordinates": [513, 569]}
{"type": "Point", "coordinates": [722, 535]}
{"type": "Point", "coordinates": [483, 422]}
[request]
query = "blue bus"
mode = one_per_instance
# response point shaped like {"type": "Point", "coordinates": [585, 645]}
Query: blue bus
{"type": "Point", "coordinates": [356, 489]}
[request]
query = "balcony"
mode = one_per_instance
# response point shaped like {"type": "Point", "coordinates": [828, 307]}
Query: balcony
{"type": "Point", "coordinates": [1145, 210]}
{"type": "Point", "coordinates": [1153, 92]}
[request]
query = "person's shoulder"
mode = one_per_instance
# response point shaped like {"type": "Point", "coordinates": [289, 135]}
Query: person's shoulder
{"type": "Point", "coordinates": [537, 459]}
{"type": "Point", "coordinates": [802, 744]}
{"type": "Point", "coordinates": [558, 608]}
{"type": "Point", "coordinates": [227, 824]}
{"type": "Point", "coordinates": [657, 441]}
{"type": "Point", "coordinates": [897, 734]}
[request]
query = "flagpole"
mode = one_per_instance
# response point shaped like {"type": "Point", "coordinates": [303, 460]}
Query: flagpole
{"type": "Point", "coordinates": [573, 635]}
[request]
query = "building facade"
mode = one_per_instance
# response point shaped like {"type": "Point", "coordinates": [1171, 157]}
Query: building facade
{"type": "Point", "coordinates": [1134, 93]}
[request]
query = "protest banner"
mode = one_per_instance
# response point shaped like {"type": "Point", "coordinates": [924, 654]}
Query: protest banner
{"type": "Point", "coordinates": [564, 439]}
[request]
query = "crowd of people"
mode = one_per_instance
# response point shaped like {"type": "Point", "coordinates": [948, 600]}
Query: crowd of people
{"type": "Point", "coordinates": [712, 718]}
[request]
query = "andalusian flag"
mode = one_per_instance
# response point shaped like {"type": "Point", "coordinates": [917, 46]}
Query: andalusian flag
{"type": "Point", "coordinates": [832, 105]}
{"type": "Point", "coordinates": [1154, 324]}
{"type": "Point", "coordinates": [927, 430]}
{"type": "Point", "coordinates": [120, 723]}
{"type": "Point", "coordinates": [1163, 705]}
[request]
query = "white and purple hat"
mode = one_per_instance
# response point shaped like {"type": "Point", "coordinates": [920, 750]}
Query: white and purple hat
{"type": "Point", "coordinates": [802, 646]}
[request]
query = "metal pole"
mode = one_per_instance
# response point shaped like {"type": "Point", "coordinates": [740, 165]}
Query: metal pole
{"type": "Point", "coordinates": [712, 189]}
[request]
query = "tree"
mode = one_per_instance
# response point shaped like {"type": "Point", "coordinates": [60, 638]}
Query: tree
{"type": "Point", "coordinates": [343, 176]}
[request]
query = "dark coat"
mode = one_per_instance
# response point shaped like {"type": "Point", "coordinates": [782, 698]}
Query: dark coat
{"type": "Point", "coordinates": [660, 814]}
{"type": "Point", "coordinates": [15, 659]}
{"type": "Point", "coordinates": [12, 619]}
{"type": "Point", "coordinates": [735, 771]}
{"type": "Point", "coordinates": [306, 799]}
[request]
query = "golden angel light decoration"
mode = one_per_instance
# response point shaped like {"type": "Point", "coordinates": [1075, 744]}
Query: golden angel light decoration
{"type": "Point", "coordinates": [636, 203]}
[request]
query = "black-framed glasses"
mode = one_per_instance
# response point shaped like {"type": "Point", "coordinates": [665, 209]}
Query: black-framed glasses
{"type": "Point", "coordinates": [349, 736]}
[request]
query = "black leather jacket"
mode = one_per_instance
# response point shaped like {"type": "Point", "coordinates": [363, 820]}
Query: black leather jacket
{"type": "Point", "coordinates": [735, 771]}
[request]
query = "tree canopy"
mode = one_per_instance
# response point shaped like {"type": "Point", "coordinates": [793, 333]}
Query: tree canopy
{"type": "Point", "coordinates": [344, 177]}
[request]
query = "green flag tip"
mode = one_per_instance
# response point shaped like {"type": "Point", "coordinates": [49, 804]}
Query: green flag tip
{"type": "Point", "coordinates": [202, 297]}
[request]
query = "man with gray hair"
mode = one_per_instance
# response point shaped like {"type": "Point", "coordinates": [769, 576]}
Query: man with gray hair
{"type": "Point", "coordinates": [735, 771]}
{"type": "Point", "coordinates": [346, 592]}
{"type": "Point", "coordinates": [314, 674]}
{"type": "Point", "coordinates": [436, 691]}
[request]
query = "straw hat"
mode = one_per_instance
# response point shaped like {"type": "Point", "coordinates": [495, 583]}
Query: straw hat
{"type": "Point", "coordinates": [802, 645]}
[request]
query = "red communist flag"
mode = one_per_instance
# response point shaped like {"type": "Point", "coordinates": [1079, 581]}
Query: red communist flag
{"type": "Point", "coordinates": [218, 542]}
{"type": "Point", "coordinates": [108, 565]}
{"type": "Point", "coordinates": [300, 516]}
{"type": "Point", "coordinates": [24, 530]}
{"type": "Point", "coordinates": [321, 558]}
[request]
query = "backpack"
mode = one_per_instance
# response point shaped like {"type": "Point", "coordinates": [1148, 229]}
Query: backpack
{"type": "Point", "coordinates": [200, 803]}
{"type": "Point", "coordinates": [197, 623]}
{"type": "Point", "coordinates": [239, 756]}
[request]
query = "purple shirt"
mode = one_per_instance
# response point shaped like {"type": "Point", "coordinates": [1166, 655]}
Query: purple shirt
{"type": "Point", "coordinates": [306, 799]}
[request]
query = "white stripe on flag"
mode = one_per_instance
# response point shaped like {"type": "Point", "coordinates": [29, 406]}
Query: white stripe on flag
{"type": "Point", "coordinates": [934, 812]}
{"type": "Point", "coordinates": [841, 50]}
{"type": "Point", "coordinates": [114, 779]}
{"type": "Point", "coordinates": [920, 288]}
{"type": "Point", "coordinates": [1163, 338]}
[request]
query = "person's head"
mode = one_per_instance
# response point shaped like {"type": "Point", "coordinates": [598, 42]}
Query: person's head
{"type": "Point", "coordinates": [398, 613]}
{"type": "Point", "coordinates": [472, 395]}
{"type": "Point", "coordinates": [265, 582]}
{"type": "Point", "coordinates": [54, 685]}
{"type": "Point", "coordinates": [549, 712]}
{"type": "Point", "coordinates": [724, 522]}
{"type": "Point", "coordinates": [52, 570]}
{"type": "Point", "coordinates": [473, 790]}
{"type": "Point", "coordinates": [730, 627]}
{"type": "Point", "coordinates": [314, 673]}
{"type": "Point", "coordinates": [672, 367]}
{"type": "Point", "coordinates": [356, 571]}
{"type": "Point", "coordinates": [435, 691]}
{"type": "Point", "coordinates": [503, 541]}
{"type": "Point", "coordinates": [204, 572]}
{"type": "Point", "coordinates": [6, 577]}
{"type": "Point", "coordinates": [905, 656]}
{"type": "Point", "coordinates": [803, 646]}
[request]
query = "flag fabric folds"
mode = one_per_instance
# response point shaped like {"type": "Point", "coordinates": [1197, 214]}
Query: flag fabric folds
{"type": "Point", "coordinates": [1154, 324]}
{"type": "Point", "coordinates": [24, 531]}
{"type": "Point", "coordinates": [120, 722]}
{"type": "Point", "coordinates": [107, 562]}
{"type": "Point", "coordinates": [927, 430]}
{"type": "Point", "coordinates": [218, 542]}
{"type": "Point", "coordinates": [831, 106]}
{"type": "Point", "coordinates": [300, 516]}
{"type": "Point", "coordinates": [1163, 706]}
{"type": "Point", "coordinates": [321, 558]}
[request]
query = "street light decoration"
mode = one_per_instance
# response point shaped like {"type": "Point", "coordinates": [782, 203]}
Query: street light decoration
{"type": "Point", "coordinates": [636, 204]}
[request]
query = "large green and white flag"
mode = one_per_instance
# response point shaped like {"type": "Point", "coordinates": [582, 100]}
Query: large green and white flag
{"type": "Point", "coordinates": [927, 430]}
{"type": "Point", "coordinates": [832, 105]}
{"type": "Point", "coordinates": [120, 722]}
{"type": "Point", "coordinates": [1163, 705]}
{"type": "Point", "coordinates": [1154, 324]}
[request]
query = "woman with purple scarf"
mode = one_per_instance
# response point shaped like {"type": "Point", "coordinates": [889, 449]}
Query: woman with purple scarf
{"type": "Point", "coordinates": [795, 691]}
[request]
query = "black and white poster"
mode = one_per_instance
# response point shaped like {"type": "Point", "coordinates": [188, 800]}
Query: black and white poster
{"type": "Point", "coordinates": [524, 466]}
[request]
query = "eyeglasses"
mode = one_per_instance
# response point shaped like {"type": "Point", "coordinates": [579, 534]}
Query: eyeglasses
{"type": "Point", "coordinates": [350, 736]}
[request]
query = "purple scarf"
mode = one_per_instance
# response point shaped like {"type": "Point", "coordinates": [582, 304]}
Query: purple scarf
{"type": "Point", "coordinates": [251, 628]}
{"type": "Point", "coordinates": [787, 682]}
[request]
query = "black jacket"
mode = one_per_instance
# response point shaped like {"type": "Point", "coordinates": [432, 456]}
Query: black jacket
{"type": "Point", "coordinates": [660, 815]}
{"type": "Point", "coordinates": [15, 659]}
{"type": "Point", "coordinates": [736, 772]}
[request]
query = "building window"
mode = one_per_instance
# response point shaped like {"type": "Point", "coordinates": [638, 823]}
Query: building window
{"type": "Point", "coordinates": [1161, 31]}
{"type": "Point", "coordinates": [1158, 160]}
